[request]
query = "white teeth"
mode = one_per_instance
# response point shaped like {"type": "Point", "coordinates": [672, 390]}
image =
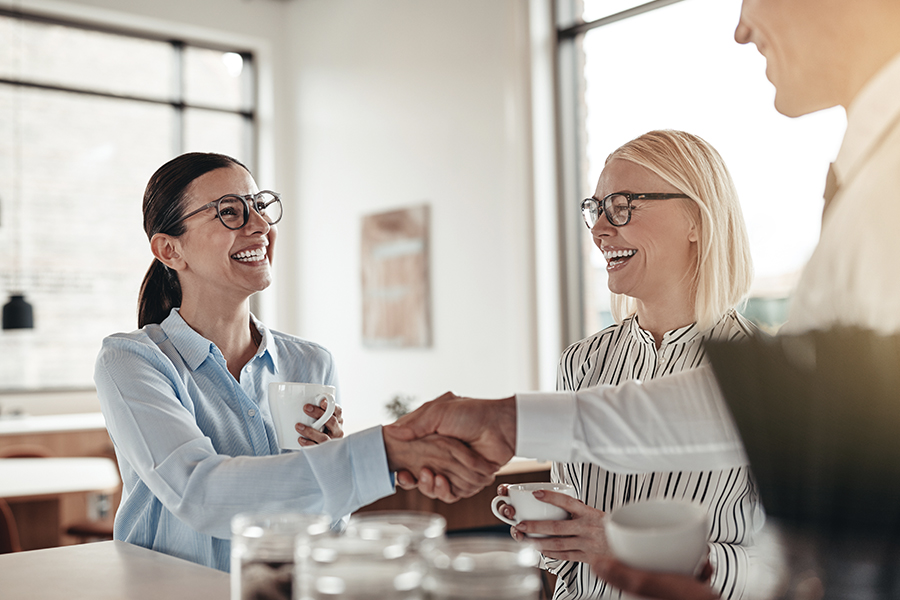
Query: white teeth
{"type": "Point", "coordinates": [250, 255]}
{"type": "Point", "coordinates": [611, 254]}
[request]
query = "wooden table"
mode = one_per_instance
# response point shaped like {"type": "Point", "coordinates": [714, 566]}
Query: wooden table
{"type": "Point", "coordinates": [107, 571]}
{"type": "Point", "coordinates": [33, 477]}
{"type": "Point", "coordinates": [57, 436]}
{"type": "Point", "coordinates": [35, 488]}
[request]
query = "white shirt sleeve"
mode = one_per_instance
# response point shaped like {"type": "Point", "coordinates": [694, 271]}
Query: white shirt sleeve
{"type": "Point", "coordinates": [675, 423]}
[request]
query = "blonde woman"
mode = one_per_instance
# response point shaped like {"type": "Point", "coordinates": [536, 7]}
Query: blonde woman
{"type": "Point", "coordinates": [667, 218]}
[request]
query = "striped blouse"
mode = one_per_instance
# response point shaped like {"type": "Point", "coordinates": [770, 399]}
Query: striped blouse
{"type": "Point", "coordinates": [624, 352]}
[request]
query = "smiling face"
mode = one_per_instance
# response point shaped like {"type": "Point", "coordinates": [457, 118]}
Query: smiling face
{"type": "Point", "coordinates": [655, 255]}
{"type": "Point", "coordinates": [802, 43]}
{"type": "Point", "coordinates": [214, 262]}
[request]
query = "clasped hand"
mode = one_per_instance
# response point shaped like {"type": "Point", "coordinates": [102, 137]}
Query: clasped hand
{"type": "Point", "coordinates": [451, 447]}
{"type": "Point", "coordinates": [447, 468]}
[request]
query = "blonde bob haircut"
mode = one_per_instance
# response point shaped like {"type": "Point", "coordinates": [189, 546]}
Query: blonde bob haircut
{"type": "Point", "coordinates": [724, 268]}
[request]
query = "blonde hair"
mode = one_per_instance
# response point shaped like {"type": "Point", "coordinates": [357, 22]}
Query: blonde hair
{"type": "Point", "coordinates": [724, 268]}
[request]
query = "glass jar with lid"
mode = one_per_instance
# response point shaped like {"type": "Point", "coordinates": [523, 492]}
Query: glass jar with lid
{"type": "Point", "coordinates": [263, 549]}
{"type": "Point", "coordinates": [367, 567]}
{"type": "Point", "coordinates": [423, 528]}
{"type": "Point", "coordinates": [482, 567]}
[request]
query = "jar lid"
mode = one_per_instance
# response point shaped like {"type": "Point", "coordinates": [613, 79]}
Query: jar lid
{"type": "Point", "coordinates": [482, 554]}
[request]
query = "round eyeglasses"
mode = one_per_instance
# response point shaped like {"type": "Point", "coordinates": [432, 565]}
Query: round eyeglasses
{"type": "Point", "coordinates": [234, 210]}
{"type": "Point", "coordinates": [617, 207]}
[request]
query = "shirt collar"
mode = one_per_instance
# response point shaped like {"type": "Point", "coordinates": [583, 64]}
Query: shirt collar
{"type": "Point", "coordinates": [682, 335]}
{"type": "Point", "coordinates": [194, 348]}
{"type": "Point", "coordinates": [870, 114]}
{"type": "Point", "coordinates": [267, 350]}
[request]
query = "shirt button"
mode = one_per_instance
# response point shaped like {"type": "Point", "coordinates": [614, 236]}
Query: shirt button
{"type": "Point", "coordinates": [251, 412]}
{"type": "Point", "coordinates": [249, 368]}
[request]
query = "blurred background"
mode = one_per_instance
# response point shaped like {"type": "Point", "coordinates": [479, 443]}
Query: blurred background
{"type": "Point", "coordinates": [497, 115]}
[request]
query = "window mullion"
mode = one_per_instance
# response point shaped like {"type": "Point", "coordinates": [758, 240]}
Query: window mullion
{"type": "Point", "coordinates": [178, 103]}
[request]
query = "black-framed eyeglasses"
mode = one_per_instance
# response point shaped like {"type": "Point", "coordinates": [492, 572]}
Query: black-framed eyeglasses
{"type": "Point", "coordinates": [234, 210]}
{"type": "Point", "coordinates": [617, 207]}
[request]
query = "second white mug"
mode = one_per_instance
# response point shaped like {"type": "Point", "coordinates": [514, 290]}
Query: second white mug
{"type": "Point", "coordinates": [286, 401]}
{"type": "Point", "coordinates": [659, 535]}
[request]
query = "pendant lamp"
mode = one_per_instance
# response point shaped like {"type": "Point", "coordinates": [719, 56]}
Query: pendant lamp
{"type": "Point", "coordinates": [17, 312]}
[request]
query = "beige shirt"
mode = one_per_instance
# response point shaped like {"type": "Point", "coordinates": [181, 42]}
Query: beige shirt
{"type": "Point", "coordinates": [853, 277]}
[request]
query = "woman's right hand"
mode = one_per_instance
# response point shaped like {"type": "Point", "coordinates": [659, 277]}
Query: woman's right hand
{"type": "Point", "coordinates": [580, 538]}
{"type": "Point", "coordinates": [509, 511]}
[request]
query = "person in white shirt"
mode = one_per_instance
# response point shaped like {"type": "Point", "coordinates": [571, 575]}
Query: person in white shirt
{"type": "Point", "coordinates": [819, 54]}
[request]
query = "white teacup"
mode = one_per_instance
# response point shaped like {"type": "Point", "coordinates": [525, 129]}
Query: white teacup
{"type": "Point", "coordinates": [528, 508]}
{"type": "Point", "coordinates": [286, 401]}
{"type": "Point", "coordinates": [659, 535]}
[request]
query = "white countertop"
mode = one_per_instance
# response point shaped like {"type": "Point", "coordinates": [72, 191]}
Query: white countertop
{"type": "Point", "coordinates": [106, 571]}
{"type": "Point", "coordinates": [21, 477]}
{"type": "Point", "coordinates": [16, 425]}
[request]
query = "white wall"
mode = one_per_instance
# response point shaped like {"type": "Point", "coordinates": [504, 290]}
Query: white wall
{"type": "Point", "coordinates": [373, 105]}
{"type": "Point", "coordinates": [400, 102]}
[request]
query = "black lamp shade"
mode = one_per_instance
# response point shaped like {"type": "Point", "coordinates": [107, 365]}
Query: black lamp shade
{"type": "Point", "coordinates": [17, 313]}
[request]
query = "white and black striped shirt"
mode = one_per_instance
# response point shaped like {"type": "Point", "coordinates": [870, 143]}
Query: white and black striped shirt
{"type": "Point", "coordinates": [624, 352]}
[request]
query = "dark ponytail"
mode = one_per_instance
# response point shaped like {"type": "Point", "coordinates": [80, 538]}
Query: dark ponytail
{"type": "Point", "coordinates": [164, 204]}
{"type": "Point", "coordinates": [160, 292]}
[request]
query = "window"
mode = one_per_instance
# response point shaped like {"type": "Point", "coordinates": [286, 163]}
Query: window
{"type": "Point", "coordinates": [674, 64]}
{"type": "Point", "coordinates": [86, 116]}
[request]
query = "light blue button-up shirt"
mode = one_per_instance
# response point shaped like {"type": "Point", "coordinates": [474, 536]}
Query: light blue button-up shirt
{"type": "Point", "coordinates": [195, 446]}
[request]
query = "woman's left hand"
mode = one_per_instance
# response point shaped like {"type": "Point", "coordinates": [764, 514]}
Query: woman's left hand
{"type": "Point", "coordinates": [581, 538]}
{"type": "Point", "coordinates": [333, 427]}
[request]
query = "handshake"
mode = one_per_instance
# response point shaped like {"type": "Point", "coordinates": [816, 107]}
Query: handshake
{"type": "Point", "coordinates": [451, 447]}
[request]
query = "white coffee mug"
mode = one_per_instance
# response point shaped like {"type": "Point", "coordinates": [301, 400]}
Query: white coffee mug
{"type": "Point", "coordinates": [659, 535]}
{"type": "Point", "coordinates": [286, 401]}
{"type": "Point", "coordinates": [528, 508]}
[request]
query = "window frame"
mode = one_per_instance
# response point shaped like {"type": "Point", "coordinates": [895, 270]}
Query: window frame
{"type": "Point", "coordinates": [571, 123]}
{"type": "Point", "coordinates": [177, 100]}
{"type": "Point", "coordinates": [256, 110]}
